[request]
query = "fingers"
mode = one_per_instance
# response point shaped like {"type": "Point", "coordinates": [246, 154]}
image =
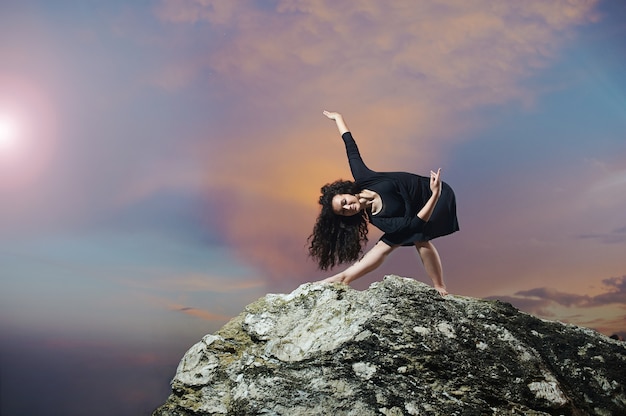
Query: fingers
{"type": "Point", "coordinates": [435, 180]}
{"type": "Point", "coordinates": [331, 114]}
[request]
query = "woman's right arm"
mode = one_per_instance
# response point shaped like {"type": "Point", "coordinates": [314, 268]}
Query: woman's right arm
{"type": "Point", "coordinates": [341, 124]}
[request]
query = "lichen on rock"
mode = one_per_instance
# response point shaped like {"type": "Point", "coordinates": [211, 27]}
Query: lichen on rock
{"type": "Point", "coordinates": [397, 348]}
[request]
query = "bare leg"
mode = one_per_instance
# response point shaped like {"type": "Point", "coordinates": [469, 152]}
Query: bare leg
{"type": "Point", "coordinates": [370, 261]}
{"type": "Point", "coordinates": [432, 263]}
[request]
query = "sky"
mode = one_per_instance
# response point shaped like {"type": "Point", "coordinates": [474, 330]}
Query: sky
{"type": "Point", "coordinates": [161, 160]}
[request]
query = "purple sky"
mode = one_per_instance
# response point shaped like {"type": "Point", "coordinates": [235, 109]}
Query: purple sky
{"type": "Point", "coordinates": [160, 163]}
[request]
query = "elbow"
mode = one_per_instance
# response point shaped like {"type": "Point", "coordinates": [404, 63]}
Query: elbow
{"type": "Point", "coordinates": [424, 216]}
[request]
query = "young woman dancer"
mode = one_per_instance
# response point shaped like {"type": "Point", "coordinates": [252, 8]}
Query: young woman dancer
{"type": "Point", "coordinates": [410, 209]}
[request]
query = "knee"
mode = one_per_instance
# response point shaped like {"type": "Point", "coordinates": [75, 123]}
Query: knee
{"type": "Point", "coordinates": [423, 244]}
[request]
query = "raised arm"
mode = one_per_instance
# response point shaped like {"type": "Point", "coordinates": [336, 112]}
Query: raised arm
{"type": "Point", "coordinates": [357, 166]}
{"type": "Point", "coordinates": [435, 187]}
{"type": "Point", "coordinates": [341, 124]}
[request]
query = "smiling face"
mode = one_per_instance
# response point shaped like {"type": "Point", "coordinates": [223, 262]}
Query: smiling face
{"type": "Point", "coordinates": [346, 205]}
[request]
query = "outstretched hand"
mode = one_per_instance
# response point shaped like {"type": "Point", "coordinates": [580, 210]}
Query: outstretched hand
{"type": "Point", "coordinates": [341, 125]}
{"type": "Point", "coordinates": [435, 181]}
{"type": "Point", "coordinates": [332, 115]}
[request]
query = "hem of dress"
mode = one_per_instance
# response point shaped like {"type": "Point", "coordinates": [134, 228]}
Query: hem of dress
{"type": "Point", "coordinates": [413, 241]}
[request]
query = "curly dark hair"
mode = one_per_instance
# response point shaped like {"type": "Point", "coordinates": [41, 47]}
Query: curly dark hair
{"type": "Point", "coordinates": [337, 239]}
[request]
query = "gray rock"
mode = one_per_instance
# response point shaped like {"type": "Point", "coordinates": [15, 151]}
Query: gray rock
{"type": "Point", "coordinates": [395, 349]}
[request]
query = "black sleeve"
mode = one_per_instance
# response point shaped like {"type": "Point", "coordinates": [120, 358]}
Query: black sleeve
{"type": "Point", "coordinates": [400, 225]}
{"type": "Point", "coordinates": [357, 166]}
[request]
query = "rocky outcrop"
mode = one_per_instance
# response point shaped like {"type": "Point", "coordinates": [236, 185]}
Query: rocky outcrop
{"type": "Point", "coordinates": [395, 349]}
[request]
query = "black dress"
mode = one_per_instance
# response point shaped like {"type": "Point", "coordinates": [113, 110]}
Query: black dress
{"type": "Point", "coordinates": [403, 196]}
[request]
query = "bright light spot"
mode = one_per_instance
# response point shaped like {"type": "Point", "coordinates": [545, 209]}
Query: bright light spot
{"type": "Point", "coordinates": [8, 132]}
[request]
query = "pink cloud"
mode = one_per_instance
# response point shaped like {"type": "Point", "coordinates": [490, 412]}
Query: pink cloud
{"type": "Point", "coordinates": [445, 59]}
{"type": "Point", "coordinates": [403, 73]}
{"type": "Point", "coordinates": [483, 48]}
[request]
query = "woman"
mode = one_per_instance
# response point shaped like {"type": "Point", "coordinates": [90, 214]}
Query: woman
{"type": "Point", "coordinates": [410, 209]}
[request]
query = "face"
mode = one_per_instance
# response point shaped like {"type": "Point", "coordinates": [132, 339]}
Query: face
{"type": "Point", "coordinates": [346, 205]}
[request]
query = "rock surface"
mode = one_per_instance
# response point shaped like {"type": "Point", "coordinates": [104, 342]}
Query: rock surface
{"type": "Point", "coordinates": [395, 349]}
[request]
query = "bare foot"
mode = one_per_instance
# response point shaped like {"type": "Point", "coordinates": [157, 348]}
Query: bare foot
{"type": "Point", "coordinates": [442, 290]}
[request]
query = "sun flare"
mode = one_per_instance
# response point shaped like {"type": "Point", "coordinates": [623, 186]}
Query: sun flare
{"type": "Point", "coordinates": [8, 132]}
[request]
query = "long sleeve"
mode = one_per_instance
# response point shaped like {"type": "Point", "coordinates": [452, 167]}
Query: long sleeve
{"type": "Point", "coordinates": [357, 166]}
{"type": "Point", "coordinates": [399, 224]}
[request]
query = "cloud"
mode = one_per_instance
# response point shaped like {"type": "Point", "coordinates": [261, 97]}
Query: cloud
{"type": "Point", "coordinates": [484, 48]}
{"type": "Point", "coordinates": [198, 282]}
{"type": "Point", "coordinates": [192, 11]}
{"type": "Point", "coordinates": [604, 312]}
{"type": "Point", "coordinates": [615, 294]}
{"type": "Point", "coordinates": [164, 303]}
{"type": "Point", "coordinates": [403, 70]}
{"type": "Point", "coordinates": [553, 295]}
{"type": "Point", "coordinates": [234, 115]}
{"type": "Point", "coordinates": [537, 306]}
{"type": "Point", "coordinates": [616, 236]}
{"type": "Point", "coordinates": [202, 314]}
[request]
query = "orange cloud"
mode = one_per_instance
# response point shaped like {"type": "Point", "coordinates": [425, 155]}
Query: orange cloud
{"type": "Point", "coordinates": [164, 303]}
{"type": "Point", "coordinates": [402, 72]}
{"type": "Point", "coordinates": [425, 62]}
